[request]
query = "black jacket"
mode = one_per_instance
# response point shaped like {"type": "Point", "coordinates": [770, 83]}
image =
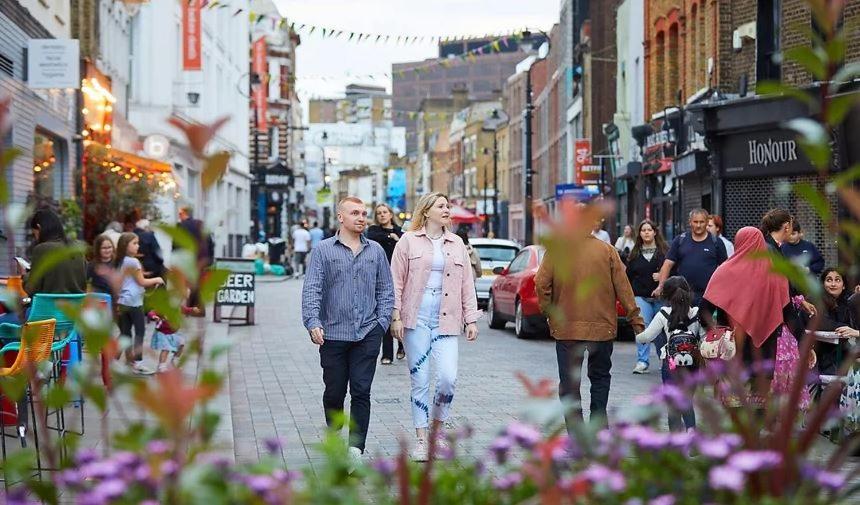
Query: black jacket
{"type": "Point", "coordinates": [149, 252]}
{"type": "Point", "coordinates": [640, 272]}
{"type": "Point", "coordinates": [381, 235]}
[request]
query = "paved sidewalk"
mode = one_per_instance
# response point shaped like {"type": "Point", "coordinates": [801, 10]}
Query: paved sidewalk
{"type": "Point", "coordinates": [276, 383]}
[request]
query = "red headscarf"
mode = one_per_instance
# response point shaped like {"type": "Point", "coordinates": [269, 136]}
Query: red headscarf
{"type": "Point", "coordinates": [746, 288]}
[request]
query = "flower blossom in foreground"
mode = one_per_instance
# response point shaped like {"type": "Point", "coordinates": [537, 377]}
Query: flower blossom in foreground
{"type": "Point", "coordinates": [727, 478]}
{"type": "Point", "coordinates": [754, 461]}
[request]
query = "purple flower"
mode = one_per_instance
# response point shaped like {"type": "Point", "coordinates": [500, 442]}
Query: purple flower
{"type": "Point", "coordinates": [169, 467]}
{"type": "Point", "coordinates": [260, 483]}
{"type": "Point", "coordinates": [727, 477]}
{"type": "Point", "coordinates": [110, 489]}
{"type": "Point", "coordinates": [285, 477]}
{"type": "Point", "coordinates": [754, 461]}
{"type": "Point", "coordinates": [274, 446]}
{"type": "Point", "coordinates": [682, 440]}
{"type": "Point", "coordinates": [385, 466]}
{"type": "Point", "coordinates": [158, 447]}
{"type": "Point", "coordinates": [465, 432]}
{"type": "Point", "coordinates": [673, 397]}
{"type": "Point", "coordinates": [85, 456]}
{"type": "Point", "coordinates": [500, 448]}
{"type": "Point", "coordinates": [507, 482]}
{"type": "Point", "coordinates": [100, 470]}
{"type": "Point", "coordinates": [602, 475]}
{"type": "Point", "coordinates": [19, 495]}
{"type": "Point", "coordinates": [525, 435]}
{"type": "Point", "coordinates": [714, 448]}
{"type": "Point", "coordinates": [830, 480]}
{"type": "Point", "coordinates": [666, 499]}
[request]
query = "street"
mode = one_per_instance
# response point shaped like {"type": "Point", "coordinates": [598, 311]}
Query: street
{"type": "Point", "coordinates": [276, 383]}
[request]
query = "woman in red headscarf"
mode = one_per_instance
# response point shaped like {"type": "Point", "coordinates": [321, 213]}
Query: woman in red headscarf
{"type": "Point", "coordinates": [755, 302]}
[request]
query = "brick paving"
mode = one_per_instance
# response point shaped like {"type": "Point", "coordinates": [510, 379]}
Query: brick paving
{"type": "Point", "coordinates": [276, 383]}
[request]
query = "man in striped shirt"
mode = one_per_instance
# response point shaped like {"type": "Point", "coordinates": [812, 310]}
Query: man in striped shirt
{"type": "Point", "coordinates": [347, 300]}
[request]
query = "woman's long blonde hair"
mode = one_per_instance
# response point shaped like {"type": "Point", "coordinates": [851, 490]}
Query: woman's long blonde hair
{"type": "Point", "coordinates": [425, 203]}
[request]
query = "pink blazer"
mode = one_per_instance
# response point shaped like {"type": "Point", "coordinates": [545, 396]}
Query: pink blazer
{"type": "Point", "coordinates": [410, 269]}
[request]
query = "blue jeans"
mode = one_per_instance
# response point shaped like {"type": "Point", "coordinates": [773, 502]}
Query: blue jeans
{"type": "Point", "coordinates": [648, 307]}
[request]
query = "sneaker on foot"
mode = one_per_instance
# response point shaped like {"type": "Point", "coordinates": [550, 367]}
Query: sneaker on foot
{"type": "Point", "coordinates": [163, 367]}
{"type": "Point", "coordinates": [354, 455]}
{"type": "Point", "coordinates": [386, 361]}
{"type": "Point", "coordinates": [420, 453]}
{"type": "Point", "coordinates": [140, 369]}
{"type": "Point", "coordinates": [401, 354]}
{"type": "Point", "coordinates": [641, 367]}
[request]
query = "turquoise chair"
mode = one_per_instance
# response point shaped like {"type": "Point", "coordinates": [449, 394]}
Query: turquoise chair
{"type": "Point", "coordinates": [48, 306]}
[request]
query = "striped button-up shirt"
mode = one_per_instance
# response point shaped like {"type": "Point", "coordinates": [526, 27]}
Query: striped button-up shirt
{"type": "Point", "coordinates": [347, 294]}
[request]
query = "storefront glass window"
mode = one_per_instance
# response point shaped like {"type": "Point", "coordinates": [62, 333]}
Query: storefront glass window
{"type": "Point", "coordinates": [47, 166]}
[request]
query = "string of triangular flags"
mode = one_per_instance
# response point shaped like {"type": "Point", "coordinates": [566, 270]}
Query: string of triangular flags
{"type": "Point", "coordinates": [348, 35]}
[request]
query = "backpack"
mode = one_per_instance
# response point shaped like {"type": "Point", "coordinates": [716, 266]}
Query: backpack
{"type": "Point", "coordinates": [682, 346]}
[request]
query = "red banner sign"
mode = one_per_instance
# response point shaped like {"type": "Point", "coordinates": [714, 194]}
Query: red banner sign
{"type": "Point", "coordinates": [584, 171]}
{"type": "Point", "coordinates": [192, 57]}
{"type": "Point", "coordinates": [261, 91]}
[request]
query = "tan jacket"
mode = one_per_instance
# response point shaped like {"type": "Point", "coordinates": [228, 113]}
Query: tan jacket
{"type": "Point", "coordinates": [579, 299]}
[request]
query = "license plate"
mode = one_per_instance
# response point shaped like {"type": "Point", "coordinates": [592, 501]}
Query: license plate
{"type": "Point", "coordinates": [488, 271]}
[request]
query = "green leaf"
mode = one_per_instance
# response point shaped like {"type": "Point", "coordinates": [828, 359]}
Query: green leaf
{"type": "Point", "coordinates": [847, 73]}
{"type": "Point", "coordinates": [7, 157]}
{"type": "Point", "coordinates": [214, 168]}
{"type": "Point", "coordinates": [161, 301]}
{"type": "Point", "coordinates": [180, 237]}
{"type": "Point", "coordinates": [57, 396]}
{"type": "Point", "coordinates": [778, 88]}
{"type": "Point", "coordinates": [45, 490]}
{"type": "Point", "coordinates": [211, 378]}
{"type": "Point", "coordinates": [848, 176]}
{"type": "Point", "coordinates": [812, 60]}
{"type": "Point", "coordinates": [217, 350]}
{"type": "Point", "coordinates": [839, 106]}
{"type": "Point", "coordinates": [814, 141]}
{"type": "Point", "coordinates": [54, 258]}
{"type": "Point", "coordinates": [212, 281]}
{"type": "Point", "coordinates": [14, 386]}
{"type": "Point", "coordinates": [815, 199]}
{"type": "Point", "coordinates": [795, 273]}
{"type": "Point", "coordinates": [97, 394]}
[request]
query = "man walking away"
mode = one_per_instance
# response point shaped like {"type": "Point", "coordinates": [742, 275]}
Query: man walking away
{"type": "Point", "coordinates": [344, 269]}
{"type": "Point", "coordinates": [797, 247]}
{"type": "Point", "coordinates": [317, 235]}
{"type": "Point", "coordinates": [578, 293]}
{"type": "Point", "coordinates": [694, 255]}
{"type": "Point", "coordinates": [149, 252]}
{"type": "Point", "coordinates": [301, 247]}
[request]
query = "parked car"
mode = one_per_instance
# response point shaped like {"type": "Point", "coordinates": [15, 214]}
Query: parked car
{"type": "Point", "coordinates": [494, 253]}
{"type": "Point", "coordinates": [512, 295]}
{"type": "Point", "coordinates": [513, 298]}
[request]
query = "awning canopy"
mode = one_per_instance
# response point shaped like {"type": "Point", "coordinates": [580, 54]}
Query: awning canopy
{"type": "Point", "coordinates": [126, 159]}
{"type": "Point", "coordinates": [460, 215]}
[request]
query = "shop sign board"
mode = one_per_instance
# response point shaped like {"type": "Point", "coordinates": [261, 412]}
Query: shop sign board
{"type": "Point", "coordinates": [192, 56]}
{"type": "Point", "coordinates": [772, 152]}
{"type": "Point", "coordinates": [584, 171]}
{"type": "Point", "coordinates": [53, 64]}
{"type": "Point", "coordinates": [260, 67]}
{"type": "Point", "coordinates": [238, 291]}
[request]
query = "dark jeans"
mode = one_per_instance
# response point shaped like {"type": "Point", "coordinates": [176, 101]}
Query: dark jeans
{"type": "Point", "coordinates": [678, 421]}
{"type": "Point", "coordinates": [388, 346]}
{"type": "Point", "coordinates": [132, 317]}
{"type": "Point", "coordinates": [570, 355]}
{"type": "Point", "coordinates": [353, 364]}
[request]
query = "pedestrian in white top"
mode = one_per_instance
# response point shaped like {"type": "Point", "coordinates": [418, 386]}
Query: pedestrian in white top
{"type": "Point", "coordinates": [625, 242]}
{"type": "Point", "coordinates": [301, 247]}
{"type": "Point", "coordinates": [599, 233]}
{"type": "Point", "coordinates": [715, 228]}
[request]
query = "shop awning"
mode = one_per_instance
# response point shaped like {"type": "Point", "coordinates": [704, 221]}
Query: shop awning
{"type": "Point", "coordinates": [127, 159]}
{"type": "Point", "coordinates": [459, 215]}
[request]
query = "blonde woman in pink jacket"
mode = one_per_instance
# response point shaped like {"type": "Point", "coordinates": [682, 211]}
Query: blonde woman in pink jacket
{"type": "Point", "coordinates": [434, 299]}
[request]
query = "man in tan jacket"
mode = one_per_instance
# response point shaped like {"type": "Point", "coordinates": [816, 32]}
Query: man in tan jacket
{"type": "Point", "coordinates": [577, 290]}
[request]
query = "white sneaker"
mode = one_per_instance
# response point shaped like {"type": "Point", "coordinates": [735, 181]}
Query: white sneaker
{"type": "Point", "coordinates": [163, 367]}
{"type": "Point", "coordinates": [140, 369]}
{"type": "Point", "coordinates": [355, 458]}
{"type": "Point", "coordinates": [640, 368]}
{"type": "Point", "coordinates": [420, 453]}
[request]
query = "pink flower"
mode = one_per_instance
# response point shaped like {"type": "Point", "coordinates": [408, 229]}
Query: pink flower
{"type": "Point", "coordinates": [715, 448]}
{"type": "Point", "coordinates": [728, 478]}
{"type": "Point", "coordinates": [754, 461]}
{"type": "Point", "coordinates": [601, 475]}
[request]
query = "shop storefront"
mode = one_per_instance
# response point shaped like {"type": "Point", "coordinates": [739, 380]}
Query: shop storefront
{"type": "Point", "coordinates": [757, 162]}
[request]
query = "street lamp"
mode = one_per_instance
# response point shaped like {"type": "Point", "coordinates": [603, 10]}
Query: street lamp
{"type": "Point", "coordinates": [529, 222]}
{"type": "Point", "coordinates": [492, 124]}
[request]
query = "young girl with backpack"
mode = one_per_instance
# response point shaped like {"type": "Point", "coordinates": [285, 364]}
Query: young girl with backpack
{"type": "Point", "coordinates": [677, 325]}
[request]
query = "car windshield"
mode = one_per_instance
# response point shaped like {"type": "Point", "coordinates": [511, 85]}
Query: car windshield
{"type": "Point", "coordinates": [496, 253]}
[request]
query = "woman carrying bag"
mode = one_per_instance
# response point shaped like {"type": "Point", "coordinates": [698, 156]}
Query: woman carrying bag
{"type": "Point", "coordinates": [387, 233]}
{"type": "Point", "coordinates": [434, 299]}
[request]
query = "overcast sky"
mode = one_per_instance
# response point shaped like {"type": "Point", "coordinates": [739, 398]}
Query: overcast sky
{"type": "Point", "coordinates": [335, 59]}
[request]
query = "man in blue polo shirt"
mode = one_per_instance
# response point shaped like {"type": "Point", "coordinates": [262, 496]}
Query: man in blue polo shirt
{"type": "Point", "coordinates": [695, 255]}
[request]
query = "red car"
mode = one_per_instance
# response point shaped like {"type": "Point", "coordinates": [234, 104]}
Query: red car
{"type": "Point", "coordinates": [513, 298]}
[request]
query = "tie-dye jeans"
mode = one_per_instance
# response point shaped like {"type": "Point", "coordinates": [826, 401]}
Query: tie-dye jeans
{"type": "Point", "coordinates": [423, 345]}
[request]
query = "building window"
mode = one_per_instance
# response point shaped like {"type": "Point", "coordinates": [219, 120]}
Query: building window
{"type": "Point", "coordinates": [673, 58]}
{"type": "Point", "coordinates": [48, 165]}
{"type": "Point", "coordinates": [768, 40]}
{"type": "Point", "coordinates": [659, 65]}
{"type": "Point", "coordinates": [703, 48]}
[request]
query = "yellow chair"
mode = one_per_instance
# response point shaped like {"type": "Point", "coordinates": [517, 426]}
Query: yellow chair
{"type": "Point", "coordinates": [37, 338]}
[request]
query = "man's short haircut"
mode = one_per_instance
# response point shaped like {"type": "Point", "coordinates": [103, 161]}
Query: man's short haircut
{"type": "Point", "coordinates": [188, 210]}
{"type": "Point", "coordinates": [795, 226]}
{"type": "Point", "coordinates": [774, 220]}
{"type": "Point", "coordinates": [143, 224]}
{"type": "Point", "coordinates": [316, 224]}
{"type": "Point", "coordinates": [350, 199]}
{"type": "Point", "coordinates": [701, 212]}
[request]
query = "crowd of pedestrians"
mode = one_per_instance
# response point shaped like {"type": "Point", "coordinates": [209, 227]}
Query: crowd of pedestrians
{"type": "Point", "coordinates": [416, 287]}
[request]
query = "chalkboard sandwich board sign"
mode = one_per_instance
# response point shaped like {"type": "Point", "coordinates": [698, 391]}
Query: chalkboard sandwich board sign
{"type": "Point", "coordinates": [238, 291]}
